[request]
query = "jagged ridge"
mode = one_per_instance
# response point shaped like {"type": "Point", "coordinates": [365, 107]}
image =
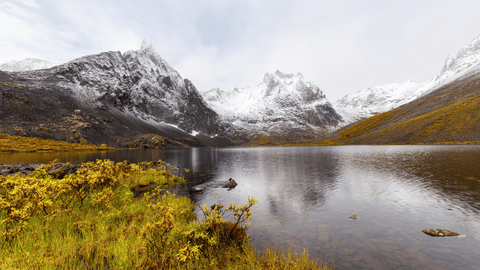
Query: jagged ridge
{"type": "Point", "coordinates": [280, 101]}
{"type": "Point", "coordinates": [138, 83]}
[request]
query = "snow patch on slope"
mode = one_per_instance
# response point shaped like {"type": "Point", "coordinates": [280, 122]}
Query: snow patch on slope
{"type": "Point", "coordinates": [137, 83]}
{"type": "Point", "coordinates": [281, 99]}
{"type": "Point", "coordinates": [26, 65]}
{"type": "Point", "coordinates": [371, 101]}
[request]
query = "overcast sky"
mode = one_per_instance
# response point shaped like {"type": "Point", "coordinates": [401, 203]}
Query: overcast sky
{"type": "Point", "coordinates": [342, 46]}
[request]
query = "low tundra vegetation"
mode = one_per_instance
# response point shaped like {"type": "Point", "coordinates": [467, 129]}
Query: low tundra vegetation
{"type": "Point", "coordinates": [28, 144]}
{"type": "Point", "coordinates": [91, 220]}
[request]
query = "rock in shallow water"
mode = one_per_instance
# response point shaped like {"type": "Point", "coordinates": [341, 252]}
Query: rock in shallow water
{"type": "Point", "coordinates": [439, 232]}
{"type": "Point", "coordinates": [230, 183]}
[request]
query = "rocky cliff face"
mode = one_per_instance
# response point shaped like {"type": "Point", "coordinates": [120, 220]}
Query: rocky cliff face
{"type": "Point", "coordinates": [280, 101]}
{"type": "Point", "coordinates": [371, 101]}
{"type": "Point", "coordinates": [138, 92]}
{"type": "Point", "coordinates": [138, 83]}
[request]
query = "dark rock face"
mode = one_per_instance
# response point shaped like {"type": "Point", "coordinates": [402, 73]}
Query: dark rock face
{"type": "Point", "coordinates": [139, 83]}
{"type": "Point", "coordinates": [110, 98]}
{"type": "Point", "coordinates": [4, 77]}
{"type": "Point", "coordinates": [323, 115]}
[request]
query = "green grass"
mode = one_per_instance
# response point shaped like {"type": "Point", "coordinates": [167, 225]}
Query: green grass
{"type": "Point", "coordinates": [90, 220]}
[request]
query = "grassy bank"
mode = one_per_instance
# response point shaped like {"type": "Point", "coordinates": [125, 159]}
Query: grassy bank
{"type": "Point", "coordinates": [330, 142]}
{"type": "Point", "coordinates": [28, 144]}
{"type": "Point", "coordinates": [338, 142]}
{"type": "Point", "coordinates": [91, 220]}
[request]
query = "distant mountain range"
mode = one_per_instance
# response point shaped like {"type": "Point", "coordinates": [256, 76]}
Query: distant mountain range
{"type": "Point", "coordinates": [450, 113]}
{"type": "Point", "coordinates": [281, 101]}
{"type": "Point", "coordinates": [371, 101]}
{"type": "Point", "coordinates": [26, 65]}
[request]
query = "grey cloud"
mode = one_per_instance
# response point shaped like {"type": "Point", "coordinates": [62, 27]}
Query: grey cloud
{"type": "Point", "coordinates": [342, 46]}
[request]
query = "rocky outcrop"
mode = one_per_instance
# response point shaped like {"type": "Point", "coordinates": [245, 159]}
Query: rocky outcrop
{"type": "Point", "coordinates": [230, 184]}
{"type": "Point", "coordinates": [58, 171]}
{"type": "Point", "coordinates": [440, 232]}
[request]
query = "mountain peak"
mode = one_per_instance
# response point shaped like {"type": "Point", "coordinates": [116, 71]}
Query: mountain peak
{"type": "Point", "coordinates": [282, 100]}
{"type": "Point", "coordinates": [282, 75]}
{"type": "Point", "coordinates": [465, 63]}
{"type": "Point", "coordinates": [472, 47]}
{"type": "Point", "coordinates": [278, 73]}
{"type": "Point", "coordinates": [146, 46]}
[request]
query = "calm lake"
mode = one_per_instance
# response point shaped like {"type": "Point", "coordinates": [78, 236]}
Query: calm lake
{"type": "Point", "coordinates": [306, 195]}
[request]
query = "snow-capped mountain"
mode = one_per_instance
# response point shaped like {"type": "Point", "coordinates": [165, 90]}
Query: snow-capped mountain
{"type": "Point", "coordinates": [139, 84]}
{"type": "Point", "coordinates": [27, 64]}
{"type": "Point", "coordinates": [280, 101]}
{"type": "Point", "coordinates": [371, 101]}
{"type": "Point", "coordinates": [374, 100]}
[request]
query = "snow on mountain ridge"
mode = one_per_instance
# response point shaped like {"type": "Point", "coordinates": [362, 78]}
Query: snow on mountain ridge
{"type": "Point", "coordinates": [466, 62]}
{"type": "Point", "coordinates": [138, 83]}
{"type": "Point", "coordinates": [26, 65]}
{"type": "Point", "coordinates": [371, 101]}
{"type": "Point", "coordinates": [279, 98]}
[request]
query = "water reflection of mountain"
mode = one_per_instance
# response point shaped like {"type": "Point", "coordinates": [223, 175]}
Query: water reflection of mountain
{"type": "Point", "coordinates": [307, 173]}
{"type": "Point", "coordinates": [291, 180]}
{"type": "Point", "coordinates": [201, 163]}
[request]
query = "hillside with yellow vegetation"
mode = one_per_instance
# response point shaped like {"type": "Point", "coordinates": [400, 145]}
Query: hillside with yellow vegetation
{"type": "Point", "coordinates": [27, 144]}
{"type": "Point", "coordinates": [450, 114]}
